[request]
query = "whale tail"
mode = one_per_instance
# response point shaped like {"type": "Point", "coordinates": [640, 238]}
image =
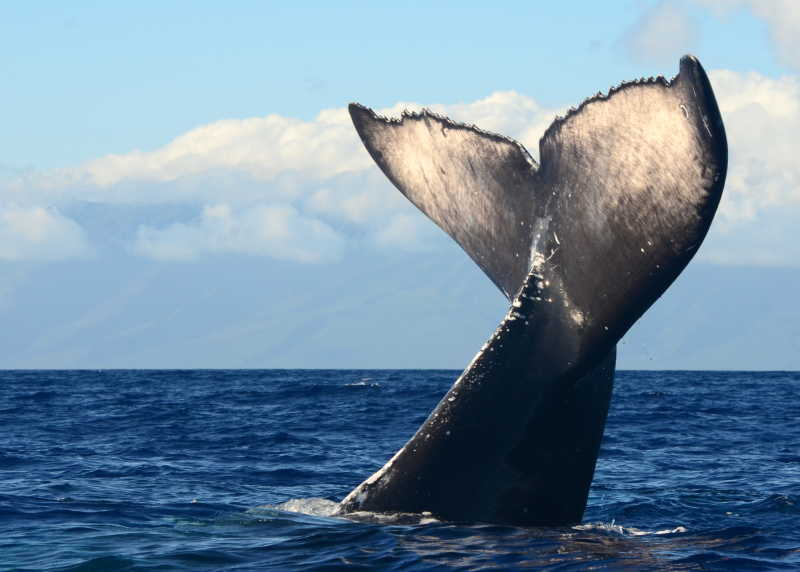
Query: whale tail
{"type": "Point", "coordinates": [582, 244]}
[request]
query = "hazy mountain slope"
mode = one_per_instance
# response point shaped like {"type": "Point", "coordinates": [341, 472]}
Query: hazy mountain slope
{"type": "Point", "coordinates": [415, 310]}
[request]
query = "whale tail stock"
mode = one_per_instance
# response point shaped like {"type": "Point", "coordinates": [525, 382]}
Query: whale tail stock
{"type": "Point", "coordinates": [582, 245]}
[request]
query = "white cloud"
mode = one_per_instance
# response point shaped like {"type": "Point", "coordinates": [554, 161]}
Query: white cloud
{"type": "Point", "coordinates": [268, 149]}
{"type": "Point", "coordinates": [260, 146]}
{"type": "Point", "coordinates": [663, 33]}
{"type": "Point", "coordinates": [36, 233]}
{"type": "Point", "coordinates": [275, 231]}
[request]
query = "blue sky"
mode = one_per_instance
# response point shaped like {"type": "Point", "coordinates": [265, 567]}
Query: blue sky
{"type": "Point", "coordinates": [164, 144]}
{"type": "Point", "coordinates": [86, 79]}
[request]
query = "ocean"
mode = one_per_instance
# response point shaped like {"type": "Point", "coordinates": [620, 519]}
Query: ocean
{"type": "Point", "coordinates": [237, 470]}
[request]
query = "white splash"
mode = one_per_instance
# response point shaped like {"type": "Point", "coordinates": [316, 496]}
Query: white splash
{"type": "Point", "coordinates": [314, 506]}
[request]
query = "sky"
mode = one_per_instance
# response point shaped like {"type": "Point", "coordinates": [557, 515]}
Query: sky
{"type": "Point", "coordinates": [181, 186]}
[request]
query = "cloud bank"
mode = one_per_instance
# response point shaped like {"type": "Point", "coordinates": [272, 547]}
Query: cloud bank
{"type": "Point", "coordinates": [760, 210]}
{"type": "Point", "coordinates": [307, 190]}
{"type": "Point", "coordinates": [276, 231]}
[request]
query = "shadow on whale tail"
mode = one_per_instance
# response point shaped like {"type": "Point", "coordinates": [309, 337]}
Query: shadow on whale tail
{"type": "Point", "coordinates": [581, 245]}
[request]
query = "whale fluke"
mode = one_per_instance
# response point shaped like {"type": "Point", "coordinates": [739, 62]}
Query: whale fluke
{"type": "Point", "coordinates": [582, 245]}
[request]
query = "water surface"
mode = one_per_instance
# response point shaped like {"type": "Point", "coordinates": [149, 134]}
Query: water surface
{"type": "Point", "coordinates": [170, 470]}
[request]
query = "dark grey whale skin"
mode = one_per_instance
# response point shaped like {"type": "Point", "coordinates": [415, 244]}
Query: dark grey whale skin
{"type": "Point", "coordinates": [582, 244]}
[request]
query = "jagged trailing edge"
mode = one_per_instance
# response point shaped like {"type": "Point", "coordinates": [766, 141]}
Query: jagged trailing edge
{"type": "Point", "coordinates": [553, 128]}
{"type": "Point", "coordinates": [612, 91]}
{"type": "Point", "coordinates": [451, 124]}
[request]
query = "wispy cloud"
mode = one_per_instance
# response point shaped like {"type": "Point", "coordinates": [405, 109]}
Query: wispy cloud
{"type": "Point", "coordinates": [662, 34]}
{"type": "Point", "coordinates": [782, 18]}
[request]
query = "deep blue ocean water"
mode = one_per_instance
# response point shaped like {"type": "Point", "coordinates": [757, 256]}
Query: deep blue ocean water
{"type": "Point", "coordinates": [185, 470]}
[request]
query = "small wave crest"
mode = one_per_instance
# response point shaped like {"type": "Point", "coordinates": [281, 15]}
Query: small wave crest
{"type": "Point", "coordinates": [627, 530]}
{"type": "Point", "coordinates": [392, 518]}
{"type": "Point", "coordinates": [363, 382]}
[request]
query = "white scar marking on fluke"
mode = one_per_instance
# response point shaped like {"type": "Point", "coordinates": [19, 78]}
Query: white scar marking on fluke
{"type": "Point", "coordinates": [537, 259]}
